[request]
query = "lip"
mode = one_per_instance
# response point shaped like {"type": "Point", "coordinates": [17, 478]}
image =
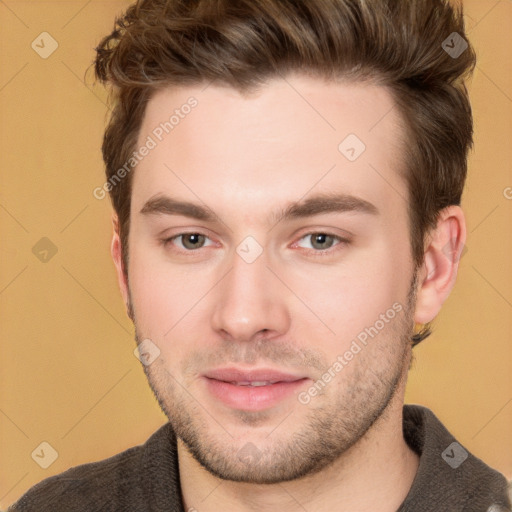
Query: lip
{"type": "Point", "coordinates": [221, 385]}
{"type": "Point", "coordinates": [255, 375]}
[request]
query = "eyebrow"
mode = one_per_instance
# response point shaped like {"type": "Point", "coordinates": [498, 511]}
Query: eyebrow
{"type": "Point", "coordinates": [315, 205]}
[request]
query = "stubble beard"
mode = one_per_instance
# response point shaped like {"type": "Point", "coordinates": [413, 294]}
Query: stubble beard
{"type": "Point", "coordinates": [300, 445]}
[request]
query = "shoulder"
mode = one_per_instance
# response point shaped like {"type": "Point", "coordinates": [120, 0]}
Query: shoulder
{"type": "Point", "coordinates": [86, 487]}
{"type": "Point", "coordinates": [449, 476]}
{"type": "Point", "coordinates": [112, 484]}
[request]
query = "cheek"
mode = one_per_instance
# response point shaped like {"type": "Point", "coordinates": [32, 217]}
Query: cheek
{"type": "Point", "coordinates": [169, 300]}
{"type": "Point", "coordinates": [351, 296]}
{"type": "Point", "coordinates": [154, 298]}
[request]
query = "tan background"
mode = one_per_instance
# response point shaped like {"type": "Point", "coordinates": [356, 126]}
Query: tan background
{"type": "Point", "coordinates": [67, 370]}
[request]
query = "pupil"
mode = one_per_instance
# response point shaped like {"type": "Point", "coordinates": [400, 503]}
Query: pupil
{"type": "Point", "coordinates": [192, 239]}
{"type": "Point", "coordinates": [320, 238]}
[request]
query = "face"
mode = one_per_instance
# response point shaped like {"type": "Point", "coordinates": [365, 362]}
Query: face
{"type": "Point", "coordinates": [270, 267]}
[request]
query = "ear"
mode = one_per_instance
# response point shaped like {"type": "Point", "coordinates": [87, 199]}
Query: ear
{"type": "Point", "coordinates": [116, 251]}
{"type": "Point", "coordinates": [441, 262]}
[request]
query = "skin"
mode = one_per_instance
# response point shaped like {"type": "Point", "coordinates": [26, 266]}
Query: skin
{"type": "Point", "coordinates": [245, 157]}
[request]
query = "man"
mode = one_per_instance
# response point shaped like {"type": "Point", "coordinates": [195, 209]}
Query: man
{"type": "Point", "coordinates": [286, 179]}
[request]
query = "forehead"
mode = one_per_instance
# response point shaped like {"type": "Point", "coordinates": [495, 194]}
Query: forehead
{"type": "Point", "coordinates": [291, 137]}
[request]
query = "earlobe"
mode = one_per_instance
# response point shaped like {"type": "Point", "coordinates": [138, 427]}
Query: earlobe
{"type": "Point", "coordinates": [439, 271]}
{"type": "Point", "coordinates": [116, 252]}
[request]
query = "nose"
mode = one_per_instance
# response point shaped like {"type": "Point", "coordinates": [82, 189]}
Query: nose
{"type": "Point", "coordinates": [251, 302]}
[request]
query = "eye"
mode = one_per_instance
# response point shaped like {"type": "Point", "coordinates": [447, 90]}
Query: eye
{"type": "Point", "coordinates": [321, 242]}
{"type": "Point", "coordinates": [189, 241]}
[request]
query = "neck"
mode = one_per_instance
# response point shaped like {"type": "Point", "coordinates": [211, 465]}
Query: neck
{"type": "Point", "coordinates": [375, 475]}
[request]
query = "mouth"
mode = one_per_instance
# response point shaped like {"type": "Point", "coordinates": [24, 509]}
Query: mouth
{"type": "Point", "coordinates": [252, 390]}
{"type": "Point", "coordinates": [254, 383]}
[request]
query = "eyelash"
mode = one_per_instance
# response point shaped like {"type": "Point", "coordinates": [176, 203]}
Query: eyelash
{"type": "Point", "coordinates": [320, 253]}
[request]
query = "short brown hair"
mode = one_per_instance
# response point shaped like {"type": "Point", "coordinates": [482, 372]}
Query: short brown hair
{"type": "Point", "coordinates": [394, 43]}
